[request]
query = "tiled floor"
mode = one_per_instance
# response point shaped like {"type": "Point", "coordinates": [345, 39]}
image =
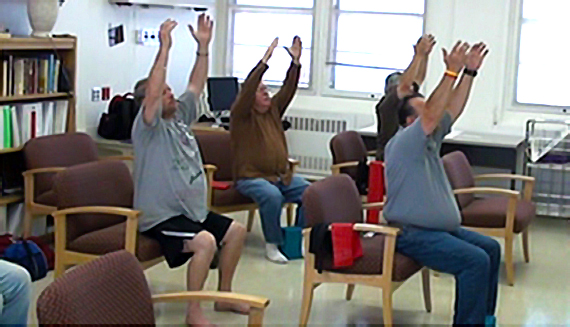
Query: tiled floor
{"type": "Point", "coordinates": [541, 295]}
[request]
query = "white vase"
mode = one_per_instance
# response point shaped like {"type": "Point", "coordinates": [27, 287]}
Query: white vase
{"type": "Point", "coordinates": [42, 15]}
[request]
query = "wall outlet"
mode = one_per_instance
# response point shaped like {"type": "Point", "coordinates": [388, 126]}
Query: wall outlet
{"type": "Point", "coordinates": [148, 36]}
{"type": "Point", "coordinates": [96, 94]}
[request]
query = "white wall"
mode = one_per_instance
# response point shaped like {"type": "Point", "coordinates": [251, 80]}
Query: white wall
{"type": "Point", "coordinates": [121, 66]}
{"type": "Point", "coordinates": [491, 21]}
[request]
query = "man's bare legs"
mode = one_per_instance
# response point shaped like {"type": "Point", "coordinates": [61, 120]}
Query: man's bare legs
{"type": "Point", "coordinates": [204, 247]}
{"type": "Point", "coordinates": [232, 245]}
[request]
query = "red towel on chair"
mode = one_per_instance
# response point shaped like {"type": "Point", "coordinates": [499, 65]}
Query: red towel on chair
{"type": "Point", "coordinates": [346, 245]}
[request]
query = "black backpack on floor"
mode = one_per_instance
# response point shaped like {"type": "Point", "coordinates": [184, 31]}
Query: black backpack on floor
{"type": "Point", "coordinates": [118, 123]}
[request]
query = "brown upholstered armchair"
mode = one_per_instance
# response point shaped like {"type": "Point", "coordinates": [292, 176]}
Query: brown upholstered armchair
{"type": "Point", "coordinates": [217, 157]}
{"type": "Point", "coordinates": [95, 216]}
{"type": "Point", "coordinates": [503, 215]}
{"type": "Point", "coordinates": [348, 149]}
{"type": "Point", "coordinates": [336, 200]}
{"type": "Point", "coordinates": [113, 290]}
{"type": "Point", "coordinates": [44, 157]}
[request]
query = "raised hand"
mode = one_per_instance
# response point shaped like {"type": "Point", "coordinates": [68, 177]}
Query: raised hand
{"type": "Point", "coordinates": [425, 44]}
{"type": "Point", "coordinates": [203, 35]}
{"type": "Point", "coordinates": [455, 60]}
{"type": "Point", "coordinates": [269, 51]}
{"type": "Point", "coordinates": [475, 56]}
{"type": "Point", "coordinates": [295, 49]}
{"type": "Point", "coordinates": [165, 35]}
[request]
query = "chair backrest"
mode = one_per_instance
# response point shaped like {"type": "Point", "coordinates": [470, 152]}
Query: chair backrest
{"type": "Point", "coordinates": [334, 199]}
{"type": "Point", "coordinates": [216, 150]}
{"type": "Point", "coordinates": [348, 146]}
{"type": "Point", "coordinates": [109, 290]}
{"type": "Point", "coordinates": [99, 183]}
{"type": "Point", "coordinates": [460, 175]}
{"type": "Point", "coordinates": [61, 150]}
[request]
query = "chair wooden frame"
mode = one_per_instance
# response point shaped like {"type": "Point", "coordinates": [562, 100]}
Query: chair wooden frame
{"type": "Point", "coordinates": [313, 279]}
{"type": "Point", "coordinates": [65, 258]}
{"type": "Point", "coordinates": [507, 232]}
{"type": "Point", "coordinates": [257, 304]}
{"type": "Point", "coordinates": [336, 170]}
{"type": "Point", "coordinates": [32, 208]}
{"type": "Point", "coordinates": [250, 207]}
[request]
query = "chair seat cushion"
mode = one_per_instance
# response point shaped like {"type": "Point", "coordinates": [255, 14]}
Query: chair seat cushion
{"type": "Point", "coordinates": [229, 197]}
{"type": "Point", "coordinates": [491, 213]}
{"type": "Point", "coordinates": [48, 198]}
{"type": "Point", "coordinates": [371, 262]}
{"type": "Point", "coordinates": [112, 239]}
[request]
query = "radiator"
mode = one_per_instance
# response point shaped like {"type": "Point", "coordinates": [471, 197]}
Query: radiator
{"type": "Point", "coordinates": [309, 137]}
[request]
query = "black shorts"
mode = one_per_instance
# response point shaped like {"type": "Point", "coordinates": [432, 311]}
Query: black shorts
{"type": "Point", "coordinates": [172, 233]}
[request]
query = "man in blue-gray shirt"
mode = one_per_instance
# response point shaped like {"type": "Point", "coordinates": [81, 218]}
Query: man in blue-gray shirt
{"type": "Point", "coordinates": [170, 184]}
{"type": "Point", "coordinates": [421, 202]}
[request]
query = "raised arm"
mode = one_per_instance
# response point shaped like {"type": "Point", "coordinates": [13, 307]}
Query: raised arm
{"type": "Point", "coordinates": [473, 62]}
{"type": "Point", "coordinates": [285, 95]}
{"type": "Point", "coordinates": [203, 36]}
{"type": "Point", "coordinates": [157, 79]}
{"type": "Point", "coordinates": [246, 97]}
{"type": "Point", "coordinates": [416, 71]}
{"type": "Point", "coordinates": [437, 102]}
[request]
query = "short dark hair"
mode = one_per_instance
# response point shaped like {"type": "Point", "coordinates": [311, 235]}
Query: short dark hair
{"type": "Point", "coordinates": [392, 80]}
{"type": "Point", "coordinates": [140, 91]}
{"type": "Point", "coordinates": [406, 110]}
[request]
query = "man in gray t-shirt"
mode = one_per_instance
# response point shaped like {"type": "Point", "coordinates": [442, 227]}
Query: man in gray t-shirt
{"type": "Point", "coordinates": [170, 183]}
{"type": "Point", "coordinates": [421, 202]}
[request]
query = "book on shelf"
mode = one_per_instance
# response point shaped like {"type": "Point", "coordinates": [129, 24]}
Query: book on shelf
{"type": "Point", "coordinates": [32, 73]}
{"type": "Point", "coordinates": [21, 122]}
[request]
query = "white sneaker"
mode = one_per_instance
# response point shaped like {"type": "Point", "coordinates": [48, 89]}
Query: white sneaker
{"type": "Point", "coordinates": [273, 254]}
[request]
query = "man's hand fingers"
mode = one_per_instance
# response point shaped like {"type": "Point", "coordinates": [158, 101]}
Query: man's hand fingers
{"type": "Point", "coordinates": [445, 54]}
{"type": "Point", "coordinates": [191, 29]}
{"type": "Point", "coordinates": [456, 46]}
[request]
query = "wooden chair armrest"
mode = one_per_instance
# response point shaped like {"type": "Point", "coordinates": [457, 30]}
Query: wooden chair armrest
{"type": "Point", "coordinates": [123, 158]}
{"type": "Point", "coordinates": [293, 162]}
{"type": "Point", "coordinates": [210, 168]}
{"type": "Point", "coordinates": [505, 176]}
{"type": "Point", "coordinates": [337, 167]}
{"type": "Point", "coordinates": [487, 190]}
{"type": "Point", "coordinates": [32, 172]}
{"type": "Point", "coordinates": [234, 298]}
{"type": "Point", "coordinates": [129, 213]}
{"type": "Point", "coordinates": [371, 153]}
{"type": "Point", "coordinates": [373, 206]}
{"type": "Point", "coordinates": [386, 230]}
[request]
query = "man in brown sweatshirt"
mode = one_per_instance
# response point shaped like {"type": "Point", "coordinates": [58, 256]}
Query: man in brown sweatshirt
{"type": "Point", "coordinates": [261, 167]}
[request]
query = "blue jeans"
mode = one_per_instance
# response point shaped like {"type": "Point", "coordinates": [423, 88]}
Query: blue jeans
{"type": "Point", "coordinates": [270, 197]}
{"type": "Point", "coordinates": [15, 294]}
{"type": "Point", "coordinates": [471, 257]}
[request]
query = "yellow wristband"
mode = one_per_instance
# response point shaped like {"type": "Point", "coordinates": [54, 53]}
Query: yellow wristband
{"type": "Point", "coordinates": [451, 74]}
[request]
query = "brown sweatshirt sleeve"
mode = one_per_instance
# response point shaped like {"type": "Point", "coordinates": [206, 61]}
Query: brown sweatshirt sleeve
{"type": "Point", "coordinates": [285, 95]}
{"type": "Point", "coordinates": [246, 97]}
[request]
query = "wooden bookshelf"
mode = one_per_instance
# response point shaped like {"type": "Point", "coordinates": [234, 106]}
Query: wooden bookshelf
{"type": "Point", "coordinates": [7, 199]}
{"type": "Point", "coordinates": [37, 97]}
{"type": "Point", "coordinates": [31, 43]}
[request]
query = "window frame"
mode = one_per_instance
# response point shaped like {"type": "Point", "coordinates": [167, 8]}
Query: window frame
{"type": "Point", "coordinates": [334, 16]}
{"type": "Point", "coordinates": [234, 8]}
{"type": "Point", "coordinates": [510, 102]}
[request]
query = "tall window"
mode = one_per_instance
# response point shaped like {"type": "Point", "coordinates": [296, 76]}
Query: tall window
{"type": "Point", "coordinates": [255, 23]}
{"type": "Point", "coordinates": [543, 69]}
{"type": "Point", "coordinates": [372, 39]}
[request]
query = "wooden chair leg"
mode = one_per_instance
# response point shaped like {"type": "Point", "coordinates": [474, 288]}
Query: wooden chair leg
{"type": "Point", "coordinates": [59, 267]}
{"type": "Point", "coordinates": [255, 317]}
{"type": "Point", "coordinates": [387, 306]}
{"type": "Point", "coordinates": [525, 245]}
{"type": "Point", "coordinates": [426, 288]}
{"type": "Point", "coordinates": [28, 217]}
{"type": "Point", "coordinates": [250, 218]}
{"type": "Point", "coordinates": [349, 291]}
{"type": "Point", "coordinates": [290, 214]}
{"type": "Point", "coordinates": [307, 302]}
{"type": "Point", "coordinates": [510, 267]}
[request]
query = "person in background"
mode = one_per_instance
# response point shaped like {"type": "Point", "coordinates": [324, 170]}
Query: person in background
{"type": "Point", "coordinates": [397, 87]}
{"type": "Point", "coordinates": [261, 167]}
{"type": "Point", "coordinates": [15, 294]}
{"type": "Point", "coordinates": [420, 200]}
{"type": "Point", "coordinates": [170, 184]}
